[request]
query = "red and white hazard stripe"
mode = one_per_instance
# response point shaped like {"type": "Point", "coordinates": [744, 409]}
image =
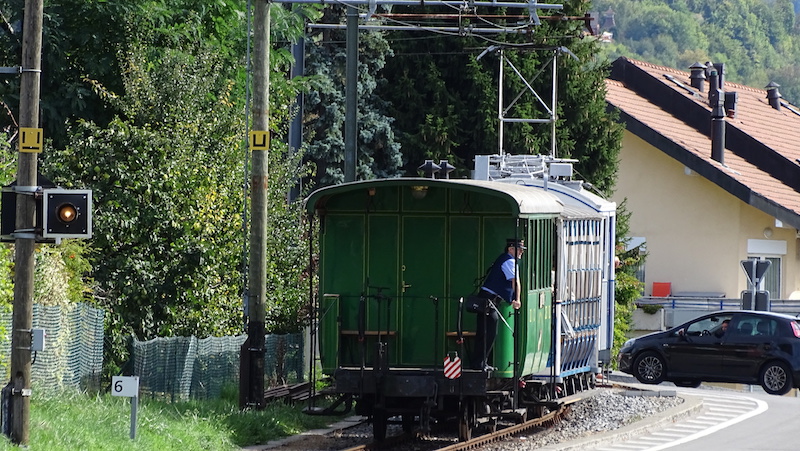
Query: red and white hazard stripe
{"type": "Point", "coordinates": [452, 368]}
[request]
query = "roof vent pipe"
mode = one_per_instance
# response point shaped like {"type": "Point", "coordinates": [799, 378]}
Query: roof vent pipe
{"type": "Point", "coordinates": [698, 77]}
{"type": "Point", "coordinates": [709, 67]}
{"type": "Point", "coordinates": [720, 67]}
{"type": "Point", "coordinates": [445, 168]}
{"type": "Point", "coordinates": [717, 119]}
{"type": "Point", "coordinates": [773, 96]}
{"type": "Point", "coordinates": [731, 99]}
{"type": "Point", "coordinates": [429, 168]}
{"type": "Point", "coordinates": [713, 88]}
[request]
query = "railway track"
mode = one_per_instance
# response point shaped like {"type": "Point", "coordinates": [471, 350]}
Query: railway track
{"type": "Point", "coordinates": [358, 435]}
{"type": "Point", "coordinates": [400, 441]}
{"type": "Point", "coordinates": [548, 420]}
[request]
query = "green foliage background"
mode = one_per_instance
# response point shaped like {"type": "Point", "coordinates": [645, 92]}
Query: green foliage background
{"type": "Point", "coordinates": [628, 288]}
{"type": "Point", "coordinates": [146, 107]}
{"type": "Point", "coordinates": [758, 40]}
{"type": "Point", "coordinates": [445, 101]}
{"type": "Point", "coordinates": [324, 115]}
{"type": "Point", "coordinates": [143, 101]}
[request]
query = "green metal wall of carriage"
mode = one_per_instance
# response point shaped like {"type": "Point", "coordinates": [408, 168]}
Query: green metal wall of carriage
{"type": "Point", "coordinates": [423, 249]}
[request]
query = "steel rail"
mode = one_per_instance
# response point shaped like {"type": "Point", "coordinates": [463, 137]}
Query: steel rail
{"type": "Point", "coordinates": [549, 419]}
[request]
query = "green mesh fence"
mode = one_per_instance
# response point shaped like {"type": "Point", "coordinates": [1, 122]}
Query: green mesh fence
{"type": "Point", "coordinates": [181, 368]}
{"type": "Point", "coordinates": [73, 353]}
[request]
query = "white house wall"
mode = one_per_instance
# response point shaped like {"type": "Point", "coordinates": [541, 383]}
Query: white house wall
{"type": "Point", "coordinates": [696, 232]}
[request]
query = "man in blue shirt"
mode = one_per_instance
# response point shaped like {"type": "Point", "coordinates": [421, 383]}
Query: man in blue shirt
{"type": "Point", "coordinates": [502, 283]}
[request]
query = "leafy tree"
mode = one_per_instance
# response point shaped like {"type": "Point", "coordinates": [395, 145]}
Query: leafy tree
{"type": "Point", "coordinates": [627, 288]}
{"type": "Point", "coordinates": [378, 151]}
{"type": "Point", "coordinates": [80, 44]}
{"type": "Point", "coordinates": [756, 39]}
{"type": "Point", "coordinates": [7, 175]}
{"type": "Point", "coordinates": [445, 100]}
{"type": "Point", "coordinates": [441, 98]}
{"type": "Point", "coordinates": [287, 248]}
{"type": "Point", "coordinates": [167, 171]}
{"type": "Point", "coordinates": [166, 184]}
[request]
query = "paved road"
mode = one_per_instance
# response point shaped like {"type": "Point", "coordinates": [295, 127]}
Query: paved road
{"type": "Point", "coordinates": [728, 420]}
{"type": "Point", "coordinates": [772, 426]}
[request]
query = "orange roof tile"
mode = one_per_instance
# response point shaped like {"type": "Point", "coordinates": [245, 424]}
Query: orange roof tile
{"type": "Point", "coordinates": [757, 178]}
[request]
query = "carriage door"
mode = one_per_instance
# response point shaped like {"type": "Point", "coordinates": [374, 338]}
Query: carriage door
{"type": "Point", "coordinates": [380, 294]}
{"type": "Point", "coordinates": [422, 276]}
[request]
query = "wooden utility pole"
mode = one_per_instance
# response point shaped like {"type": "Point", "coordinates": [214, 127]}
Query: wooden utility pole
{"type": "Point", "coordinates": [251, 385]}
{"type": "Point", "coordinates": [25, 222]}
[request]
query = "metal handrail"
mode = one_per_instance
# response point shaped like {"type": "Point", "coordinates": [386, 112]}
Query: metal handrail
{"type": "Point", "coordinates": [790, 306]}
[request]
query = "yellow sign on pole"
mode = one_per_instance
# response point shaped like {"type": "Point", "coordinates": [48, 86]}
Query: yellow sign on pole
{"type": "Point", "coordinates": [30, 140]}
{"type": "Point", "coordinates": [259, 140]}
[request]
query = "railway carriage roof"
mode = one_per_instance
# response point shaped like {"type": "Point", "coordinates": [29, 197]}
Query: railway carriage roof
{"type": "Point", "coordinates": [580, 212]}
{"type": "Point", "coordinates": [522, 200]}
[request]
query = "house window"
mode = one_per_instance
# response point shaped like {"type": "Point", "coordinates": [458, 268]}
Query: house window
{"type": "Point", "coordinates": [772, 278]}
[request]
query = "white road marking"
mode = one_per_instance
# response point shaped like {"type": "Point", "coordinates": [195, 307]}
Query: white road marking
{"type": "Point", "coordinates": [719, 412]}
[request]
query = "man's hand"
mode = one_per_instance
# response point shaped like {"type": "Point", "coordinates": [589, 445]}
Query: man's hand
{"type": "Point", "coordinates": [516, 304]}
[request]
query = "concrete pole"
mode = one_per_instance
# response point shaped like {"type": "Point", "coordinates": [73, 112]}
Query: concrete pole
{"type": "Point", "coordinates": [351, 97]}
{"type": "Point", "coordinates": [257, 280]}
{"type": "Point", "coordinates": [26, 214]}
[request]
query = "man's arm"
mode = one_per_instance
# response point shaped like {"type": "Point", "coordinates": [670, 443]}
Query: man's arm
{"type": "Point", "coordinates": [517, 293]}
{"type": "Point", "coordinates": [510, 270]}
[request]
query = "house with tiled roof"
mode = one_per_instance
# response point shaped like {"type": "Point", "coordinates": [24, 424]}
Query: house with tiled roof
{"type": "Point", "coordinates": [711, 173]}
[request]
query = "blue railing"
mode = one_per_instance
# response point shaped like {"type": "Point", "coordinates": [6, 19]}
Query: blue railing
{"type": "Point", "coordinates": [713, 303]}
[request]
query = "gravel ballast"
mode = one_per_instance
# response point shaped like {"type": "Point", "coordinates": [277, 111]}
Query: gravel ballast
{"type": "Point", "coordinates": [608, 410]}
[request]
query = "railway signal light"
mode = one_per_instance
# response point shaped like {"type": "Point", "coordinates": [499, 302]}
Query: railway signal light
{"type": "Point", "coordinates": [66, 213]}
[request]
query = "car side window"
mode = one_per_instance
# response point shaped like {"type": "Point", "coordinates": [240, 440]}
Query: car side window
{"type": "Point", "coordinates": [713, 325]}
{"type": "Point", "coordinates": [754, 326]}
{"type": "Point", "coordinates": [745, 327]}
{"type": "Point", "coordinates": [766, 327]}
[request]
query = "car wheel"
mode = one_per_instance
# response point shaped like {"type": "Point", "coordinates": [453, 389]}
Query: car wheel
{"type": "Point", "coordinates": [649, 368]}
{"type": "Point", "coordinates": [775, 378]}
{"type": "Point", "coordinates": [688, 384]}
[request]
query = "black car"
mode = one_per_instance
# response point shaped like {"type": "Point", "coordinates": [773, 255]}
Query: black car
{"type": "Point", "coordinates": [749, 347]}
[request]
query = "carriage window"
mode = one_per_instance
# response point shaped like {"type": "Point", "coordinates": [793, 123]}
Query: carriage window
{"type": "Point", "coordinates": [540, 253]}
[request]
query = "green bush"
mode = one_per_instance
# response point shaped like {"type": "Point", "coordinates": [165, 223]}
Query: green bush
{"type": "Point", "coordinates": [651, 308]}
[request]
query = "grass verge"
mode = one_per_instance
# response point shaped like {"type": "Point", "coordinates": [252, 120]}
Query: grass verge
{"type": "Point", "coordinates": [75, 421]}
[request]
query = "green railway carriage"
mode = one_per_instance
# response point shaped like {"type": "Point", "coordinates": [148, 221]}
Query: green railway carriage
{"type": "Point", "coordinates": [397, 256]}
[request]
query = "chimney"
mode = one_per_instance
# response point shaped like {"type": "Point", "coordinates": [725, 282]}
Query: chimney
{"type": "Point", "coordinates": [717, 119]}
{"type": "Point", "coordinates": [773, 96]}
{"type": "Point", "coordinates": [731, 99]}
{"type": "Point", "coordinates": [720, 67]}
{"type": "Point", "coordinates": [698, 77]}
{"type": "Point", "coordinates": [713, 88]}
{"type": "Point", "coordinates": [607, 21]}
{"type": "Point", "coordinates": [709, 67]}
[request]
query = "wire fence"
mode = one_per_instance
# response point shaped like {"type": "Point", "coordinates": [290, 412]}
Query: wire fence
{"type": "Point", "coordinates": [174, 368]}
{"type": "Point", "coordinates": [182, 368]}
{"type": "Point", "coordinates": [73, 354]}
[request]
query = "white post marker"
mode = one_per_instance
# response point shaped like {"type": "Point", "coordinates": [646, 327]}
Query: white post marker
{"type": "Point", "coordinates": [127, 387]}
